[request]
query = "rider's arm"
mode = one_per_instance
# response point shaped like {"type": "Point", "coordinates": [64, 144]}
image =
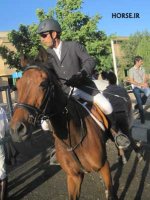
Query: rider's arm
{"type": "Point", "coordinates": [87, 62]}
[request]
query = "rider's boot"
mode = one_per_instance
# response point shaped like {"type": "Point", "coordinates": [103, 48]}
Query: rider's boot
{"type": "Point", "coordinates": [120, 139]}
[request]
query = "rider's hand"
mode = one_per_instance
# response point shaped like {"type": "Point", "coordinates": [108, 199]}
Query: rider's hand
{"type": "Point", "coordinates": [77, 79]}
{"type": "Point", "coordinates": [144, 85]}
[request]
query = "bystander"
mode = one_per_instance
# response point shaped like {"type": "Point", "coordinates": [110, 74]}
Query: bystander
{"type": "Point", "coordinates": [121, 117]}
{"type": "Point", "coordinates": [139, 81]}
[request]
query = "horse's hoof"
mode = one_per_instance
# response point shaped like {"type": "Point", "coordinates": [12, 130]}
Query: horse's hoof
{"type": "Point", "coordinates": [111, 196]}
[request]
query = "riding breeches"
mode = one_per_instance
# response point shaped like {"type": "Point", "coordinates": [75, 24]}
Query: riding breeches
{"type": "Point", "coordinates": [98, 99]}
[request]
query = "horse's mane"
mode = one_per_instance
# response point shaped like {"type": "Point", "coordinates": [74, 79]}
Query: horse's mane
{"type": "Point", "coordinates": [46, 67]}
{"type": "Point", "coordinates": [42, 61]}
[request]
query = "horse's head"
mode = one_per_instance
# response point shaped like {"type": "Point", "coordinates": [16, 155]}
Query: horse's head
{"type": "Point", "coordinates": [35, 100]}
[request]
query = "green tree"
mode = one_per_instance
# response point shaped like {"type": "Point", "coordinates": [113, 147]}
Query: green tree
{"type": "Point", "coordinates": [137, 44]}
{"type": "Point", "coordinates": [25, 41]}
{"type": "Point", "coordinates": [143, 50]}
{"type": "Point", "coordinates": [75, 25]}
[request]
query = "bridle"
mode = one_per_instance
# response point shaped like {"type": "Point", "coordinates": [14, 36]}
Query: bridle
{"type": "Point", "coordinates": [37, 114]}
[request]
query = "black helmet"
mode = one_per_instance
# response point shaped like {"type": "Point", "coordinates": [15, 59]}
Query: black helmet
{"type": "Point", "coordinates": [49, 25]}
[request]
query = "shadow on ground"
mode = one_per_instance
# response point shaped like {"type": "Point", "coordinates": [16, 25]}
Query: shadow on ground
{"type": "Point", "coordinates": [33, 178]}
{"type": "Point", "coordinates": [32, 168]}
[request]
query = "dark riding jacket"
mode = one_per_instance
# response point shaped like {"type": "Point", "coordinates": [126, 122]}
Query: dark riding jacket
{"type": "Point", "coordinates": [74, 58]}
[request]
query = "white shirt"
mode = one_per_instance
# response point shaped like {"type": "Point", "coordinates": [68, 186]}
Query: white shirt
{"type": "Point", "coordinates": [3, 123]}
{"type": "Point", "coordinates": [137, 74]}
{"type": "Point", "coordinates": [58, 50]}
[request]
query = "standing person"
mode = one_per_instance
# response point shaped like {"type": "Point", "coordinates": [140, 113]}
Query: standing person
{"type": "Point", "coordinates": [102, 83]}
{"type": "Point", "coordinates": [138, 79]}
{"type": "Point", "coordinates": [122, 111]}
{"type": "Point", "coordinates": [3, 176]}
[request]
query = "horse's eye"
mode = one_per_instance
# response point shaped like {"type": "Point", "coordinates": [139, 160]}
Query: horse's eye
{"type": "Point", "coordinates": [44, 84]}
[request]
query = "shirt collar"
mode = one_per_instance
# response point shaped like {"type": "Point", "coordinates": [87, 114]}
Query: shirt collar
{"type": "Point", "coordinates": [137, 67]}
{"type": "Point", "coordinates": [58, 50]}
{"type": "Point", "coordinates": [59, 47]}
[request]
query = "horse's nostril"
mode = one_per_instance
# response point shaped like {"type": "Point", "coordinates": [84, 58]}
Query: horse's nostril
{"type": "Point", "coordinates": [21, 129]}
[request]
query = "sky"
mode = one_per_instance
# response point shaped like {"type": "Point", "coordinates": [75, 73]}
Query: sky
{"type": "Point", "coordinates": [16, 12]}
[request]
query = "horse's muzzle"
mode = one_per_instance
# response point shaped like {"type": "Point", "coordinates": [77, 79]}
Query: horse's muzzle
{"type": "Point", "coordinates": [19, 134]}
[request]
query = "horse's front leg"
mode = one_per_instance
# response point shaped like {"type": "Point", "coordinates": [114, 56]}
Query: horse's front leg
{"type": "Point", "coordinates": [74, 185]}
{"type": "Point", "coordinates": [106, 175]}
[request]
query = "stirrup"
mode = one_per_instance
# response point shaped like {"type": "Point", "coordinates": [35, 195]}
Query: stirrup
{"type": "Point", "coordinates": [122, 141]}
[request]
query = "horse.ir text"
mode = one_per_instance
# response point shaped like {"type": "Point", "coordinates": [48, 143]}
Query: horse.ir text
{"type": "Point", "coordinates": [125, 15]}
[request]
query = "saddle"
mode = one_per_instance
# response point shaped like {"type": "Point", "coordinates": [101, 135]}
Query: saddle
{"type": "Point", "coordinates": [120, 139]}
{"type": "Point", "coordinates": [96, 113]}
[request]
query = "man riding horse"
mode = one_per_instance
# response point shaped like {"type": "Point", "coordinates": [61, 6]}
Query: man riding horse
{"type": "Point", "coordinates": [72, 63]}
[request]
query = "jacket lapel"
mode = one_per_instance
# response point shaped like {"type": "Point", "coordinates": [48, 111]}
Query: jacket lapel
{"type": "Point", "coordinates": [51, 51]}
{"type": "Point", "coordinates": [64, 50]}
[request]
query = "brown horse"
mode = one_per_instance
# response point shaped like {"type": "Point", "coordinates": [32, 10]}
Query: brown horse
{"type": "Point", "coordinates": [79, 141]}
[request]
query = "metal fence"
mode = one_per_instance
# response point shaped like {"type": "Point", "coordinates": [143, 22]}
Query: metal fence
{"type": "Point", "coordinates": [8, 105]}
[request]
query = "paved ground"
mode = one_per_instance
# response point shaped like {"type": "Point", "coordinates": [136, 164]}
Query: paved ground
{"type": "Point", "coordinates": [142, 131]}
{"type": "Point", "coordinates": [34, 179]}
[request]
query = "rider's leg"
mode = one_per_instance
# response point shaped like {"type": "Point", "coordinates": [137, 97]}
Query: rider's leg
{"type": "Point", "coordinates": [120, 138]}
{"type": "Point", "coordinates": [98, 99]}
{"type": "Point", "coordinates": [124, 127]}
{"type": "Point", "coordinates": [103, 103]}
{"type": "Point", "coordinates": [106, 108]}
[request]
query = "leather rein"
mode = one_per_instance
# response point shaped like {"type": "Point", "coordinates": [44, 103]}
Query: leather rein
{"type": "Point", "coordinates": [37, 114]}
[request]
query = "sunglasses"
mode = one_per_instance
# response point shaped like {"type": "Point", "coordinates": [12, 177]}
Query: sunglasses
{"type": "Point", "coordinates": [44, 35]}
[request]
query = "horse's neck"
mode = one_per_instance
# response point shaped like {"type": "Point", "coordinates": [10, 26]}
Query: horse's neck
{"type": "Point", "coordinates": [60, 100]}
{"type": "Point", "coordinates": [67, 120]}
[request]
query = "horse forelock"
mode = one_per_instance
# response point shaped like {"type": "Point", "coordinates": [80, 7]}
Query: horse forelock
{"type": "Point", "coordinates": [48, 69]}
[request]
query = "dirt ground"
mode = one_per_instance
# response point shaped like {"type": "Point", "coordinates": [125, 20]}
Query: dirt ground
{"type": "Point", "coordinates": [34, 179]}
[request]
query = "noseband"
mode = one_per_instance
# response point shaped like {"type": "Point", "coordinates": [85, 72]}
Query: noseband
{"type": "Point", "coordinates": [37, 114]}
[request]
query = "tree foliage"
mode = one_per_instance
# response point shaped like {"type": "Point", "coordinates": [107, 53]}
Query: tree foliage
{"type": "Point", "coordinates": [25, 42]}
{"type": "Point", "coordinates": [137, 44]}
{"type": "Point", "coordinates": [75, 25]}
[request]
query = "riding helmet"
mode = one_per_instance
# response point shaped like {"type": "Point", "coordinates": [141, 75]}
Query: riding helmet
{"type": "Point", "coordinates": [49, 25]}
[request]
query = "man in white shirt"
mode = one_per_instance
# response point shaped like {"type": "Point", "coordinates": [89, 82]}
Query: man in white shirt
{"type": "Point", "coordinates": [138, 79]}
